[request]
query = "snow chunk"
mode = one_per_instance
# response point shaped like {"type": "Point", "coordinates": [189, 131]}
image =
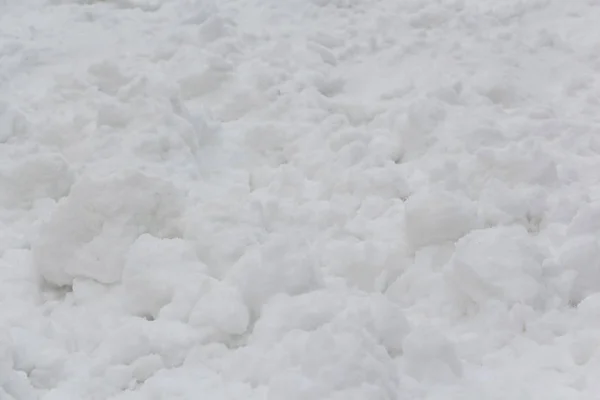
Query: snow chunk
{"type": "Point", "coordinates": [584, 346]}
{"type": "Point", "coordinates": [582, 255]}
{"type": "Point", "coordinates": [434, 216]}
{"type": "Point", "coordinates": [375, 315]}
{"type": "Point", "coordinates": [362, 264]}
{"type": "Point", "coordinates": [214, 28]}
{"type": "Point", "coordinates": [117, 377]}
{"type": "Point", "coordinates": [278, 266]}
{"type": "Point", "coordinates": [125, 345]}
{"type": "Point", "coordinates": [134, 341]}
{"type": "Point", "coordinates": [114, 115]}
{"type": "Point", "coordinates": [389, 322]}
{"type": "Point", "coordinates": [328, 361]}
{"type": "Point", "coordinates": [341, 360]}
{"type": "Point", "coordinates": [304, 312]}
{"type": "Point", "coordinates": [422, 119]}
{"type": "Point", "coordinates": [39, 357]}
{"type": "Point", "coordinates": [153, 271]}
{"type": "Point", "coordinates": [208, 76]}
{"type": "Point", "coordinates": [586, 221]}
{"type": "Point", "coordinates": [501, 204]}
{"type": "Point", "coordinates": [588, 312]}
{"type": "Point", "coordinates": [429, 355]}
{"type": "Point", "coordinates": [6, 358]}
{"type": "Point", "coordinates": [35, 177]}
{"type": "Point", "coordinates": [497, 263]}
{"type": "Point", "coordinates": [91, 230]}
{"type": "Point", "coordinates": [145, 367]}
{"type": "Point", "coordinates": [108, 77]}
{"type": "Point", "coordinates": [201, 83]}
{"type": "Point", "coordinates": [17, 387]}
{"type": "Point", "coordinates": [13, 124]}
{"type": "Point", "coordinates": [18, 282]}
{"type": "Point", "coordinates": [222, 308]}
{"type": "Point", "coordinates": [294, 386]}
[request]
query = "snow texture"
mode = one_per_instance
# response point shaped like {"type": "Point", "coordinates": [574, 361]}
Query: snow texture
{"type": "Point", "coordinates": [299, 199]}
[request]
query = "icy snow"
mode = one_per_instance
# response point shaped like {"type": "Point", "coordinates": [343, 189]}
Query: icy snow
{"type": "Point", "coordinates": [299, 199]}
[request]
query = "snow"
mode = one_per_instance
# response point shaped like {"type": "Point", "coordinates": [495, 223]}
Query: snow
{"type": "Point", "coordinates": [292, 199]}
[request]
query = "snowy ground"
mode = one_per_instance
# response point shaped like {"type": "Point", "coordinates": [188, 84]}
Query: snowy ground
{"type": "Point", "coordinates": [299, 199]}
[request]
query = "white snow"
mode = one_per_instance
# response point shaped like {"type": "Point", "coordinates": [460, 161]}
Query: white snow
{"type": "Point", "coordinates": [299, 199]}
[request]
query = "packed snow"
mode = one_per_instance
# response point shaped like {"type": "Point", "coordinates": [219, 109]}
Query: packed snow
{"type": "Point", "coordinates": [299, 199]}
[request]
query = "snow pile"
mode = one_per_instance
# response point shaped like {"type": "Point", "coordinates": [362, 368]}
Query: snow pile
{"type": "Point", "coordinates": [339, 199]}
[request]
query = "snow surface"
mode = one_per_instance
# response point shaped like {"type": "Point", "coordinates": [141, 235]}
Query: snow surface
{"type": "Point", "coordinates": [299, 199]}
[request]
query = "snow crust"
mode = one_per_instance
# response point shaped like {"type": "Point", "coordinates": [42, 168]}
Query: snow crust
{"type": "Point", "coordinates": [299, 199]}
